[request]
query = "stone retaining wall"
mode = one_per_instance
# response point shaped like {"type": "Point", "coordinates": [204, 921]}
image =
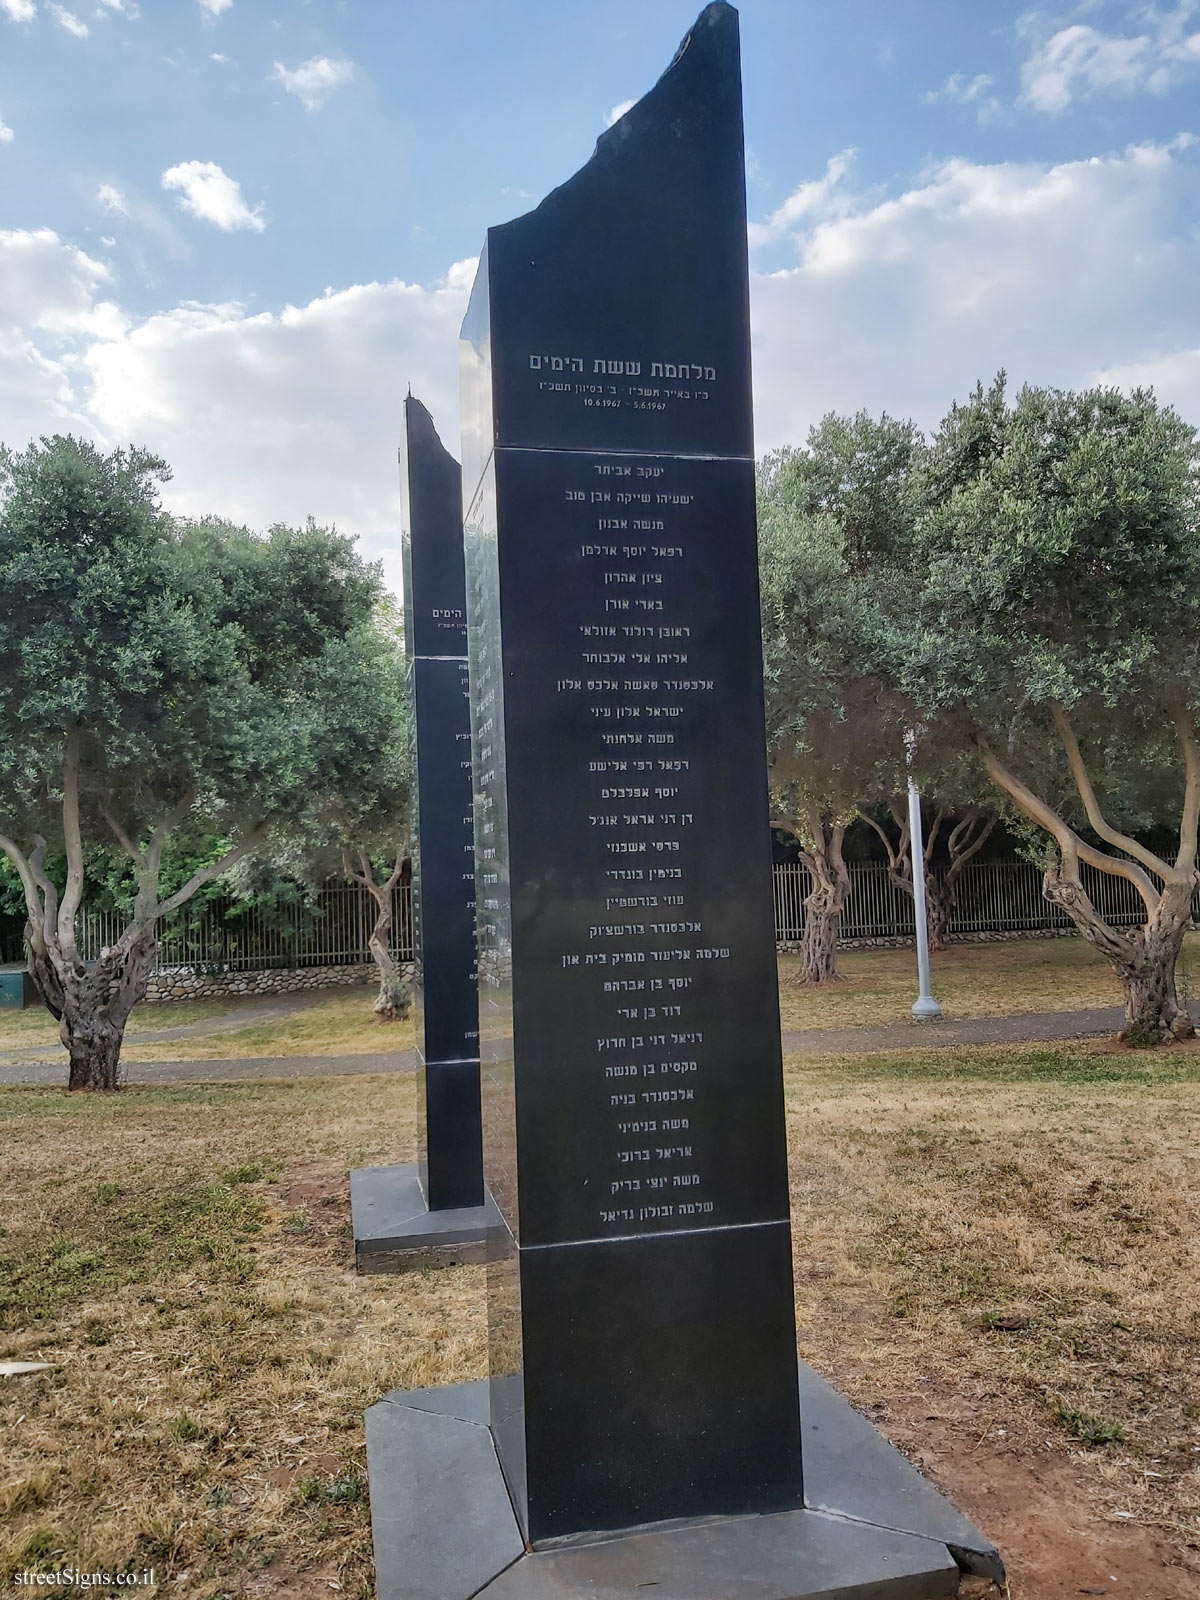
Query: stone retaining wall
{"type": "Point", "coordinates": [182, 983]}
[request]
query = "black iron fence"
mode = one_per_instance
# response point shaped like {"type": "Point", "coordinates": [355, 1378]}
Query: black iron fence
{"type": "Point", "coordinates": [332, 930]}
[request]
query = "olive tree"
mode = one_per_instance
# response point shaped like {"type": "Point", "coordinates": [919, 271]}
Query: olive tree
{"type": "Point", "coordinates": [1057, 634]}
{"type": "Point", "coordinates": [368, 829]}
{"type": "Point", "coordinates": [831, 518]}
{"type": "Point", "coordinates": [160, 679]}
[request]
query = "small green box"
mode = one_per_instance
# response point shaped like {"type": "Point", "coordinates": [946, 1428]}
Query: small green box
{"type": "Point", "coordinates": [17, 988]}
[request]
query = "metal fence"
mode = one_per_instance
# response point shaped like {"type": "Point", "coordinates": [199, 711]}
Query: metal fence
{"type": "Point", "coordinates": [333, 929]}
{"type": "Point", "coordinates": [330, 931]}
{"type": "Point", "coordinates": [993, 897]}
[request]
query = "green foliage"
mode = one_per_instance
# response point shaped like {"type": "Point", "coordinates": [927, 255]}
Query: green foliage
{"type": "Point", "coordinates": [236, 680]}
{"type": "Point", "coordinates": [833, 519]}
{"type": "Point", "coordinates": [1056, 561]}
{"type": "Point", "coordinates": [1092, 1430]}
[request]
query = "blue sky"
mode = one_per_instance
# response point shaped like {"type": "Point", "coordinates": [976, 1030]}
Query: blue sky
{"type": "Point", "coordinates": [237, 230]}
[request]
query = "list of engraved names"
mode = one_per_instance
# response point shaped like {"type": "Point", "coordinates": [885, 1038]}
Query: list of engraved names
{"type": "Point", "coordinates": [638, 684]}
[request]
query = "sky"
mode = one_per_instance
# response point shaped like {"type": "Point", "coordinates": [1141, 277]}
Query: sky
{"type": "Point", "coordinates": [237, 231]}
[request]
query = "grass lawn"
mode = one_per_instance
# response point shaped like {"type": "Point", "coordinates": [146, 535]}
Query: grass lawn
{"type": "Point", "coordinates": [997, 1254]}
{"type": "Point", "coordinates": [969, 980]}
{"type": "Point", "coordinates": [343, 1024]}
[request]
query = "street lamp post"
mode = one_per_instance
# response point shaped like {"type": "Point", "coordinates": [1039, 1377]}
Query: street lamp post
{"type": "Point", "coordinates": [924, 1005]}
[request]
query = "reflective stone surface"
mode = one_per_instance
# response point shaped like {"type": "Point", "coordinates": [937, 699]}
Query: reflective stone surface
{"type": "Point", "coordinates": [444, 1529]}
{"type": "Point", "coordinates": [643, 1336]}
{"type": "Point", "coordinates": [395, 1231]}
{"type": "Point", "coordinates": [450, 1158]}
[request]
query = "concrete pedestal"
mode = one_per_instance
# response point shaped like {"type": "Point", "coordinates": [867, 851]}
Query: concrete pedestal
{"type": "Point", "coordinates": [872, 1528]}
{"type": "Point", "coordinates": [394, 1231]}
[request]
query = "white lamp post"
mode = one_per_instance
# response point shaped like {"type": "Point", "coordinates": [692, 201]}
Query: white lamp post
{"type": "Point", "coordinates": [924, 1005]}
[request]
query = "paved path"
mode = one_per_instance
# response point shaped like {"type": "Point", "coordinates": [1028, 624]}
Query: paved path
{"type": "Point", "coordinates": [1025, 1028]}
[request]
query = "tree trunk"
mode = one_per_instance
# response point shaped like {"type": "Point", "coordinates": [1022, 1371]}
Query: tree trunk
{"type": "Point", "coordinates": [95, 1049]}
{"type": "Point", "coordinates": [93, 1007]}
{"type": "Point", "coordinates": [1143, 958]}
{"type": "Point", "coordinates": [395, 998]}
{"type": "Point", "coordinates": [818, 943]}
{"type": "Point", "coordinates": [941, 899]}
{"type": "Point", "coordinates": [822, 855]}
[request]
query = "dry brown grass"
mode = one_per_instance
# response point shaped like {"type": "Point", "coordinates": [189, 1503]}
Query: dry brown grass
{"type": "Point", "coordinates": [998, 1241]}
{"type": "Point", "coordinates": [343, 1025]}
{"type": "Point", "coordinates": [35, 1025]}
{"type": "Point", "coordinates": [182, 1256]}
{"type": "Point", "coordinates": [1010, 1249]}
{"type": "Point", "coordinates": [969, 980]}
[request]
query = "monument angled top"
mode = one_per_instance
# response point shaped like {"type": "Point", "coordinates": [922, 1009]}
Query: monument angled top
{"type": "Point", "coordinates": [591, 321]}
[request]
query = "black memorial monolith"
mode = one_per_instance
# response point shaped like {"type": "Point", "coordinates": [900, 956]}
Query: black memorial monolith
{"type": "Point", "coordinates": [435, 642]}
{"type": "Point", "coordinates": [435, 1211]}
{"type": "Point", "coordinates": [642, 1427]}
{"type": "Point", "coordinates": [634, 1132]}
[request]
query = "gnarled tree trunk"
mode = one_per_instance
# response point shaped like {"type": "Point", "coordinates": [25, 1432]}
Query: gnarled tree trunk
{"type": "Point", "coordinates": [819, 941]}
{"type": "Point", "coordinates": [92, 1005]}
{"type": "Point", "coordinates": [394, 1000]}
{"type": "Point", "coordinates": [963, 841]}
{"type": "Point", "coordinates": [821, 852]}
{"type": "Point", "coordinates": [1144, 958]}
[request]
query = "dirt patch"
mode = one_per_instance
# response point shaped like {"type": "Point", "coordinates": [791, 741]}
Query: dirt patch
{"type": "Point", "coordinates": [284, 1580]}
{"type": "Point", "coordinates": [1057, 1541]}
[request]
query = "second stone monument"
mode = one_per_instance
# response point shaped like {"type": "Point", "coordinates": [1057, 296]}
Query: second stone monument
{"type": "Point", "coordinates": [435, 1211]}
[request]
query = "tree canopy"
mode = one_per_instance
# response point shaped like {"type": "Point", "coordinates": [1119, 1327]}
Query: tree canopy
{"type": "Point", "coordinates": [1055, 570]}
{"type": "Point", "coordinates": [158, 678]}
{"type": "Point", "coordinates": [832, 519]}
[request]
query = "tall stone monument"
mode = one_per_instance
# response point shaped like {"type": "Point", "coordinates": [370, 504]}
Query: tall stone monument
{"type": "Point", "coordinates": [435, 1211]}
{"type": "Point", "coordinates": [635, 1131]}
{"type": "Point", "coordinates": [642, 1425]}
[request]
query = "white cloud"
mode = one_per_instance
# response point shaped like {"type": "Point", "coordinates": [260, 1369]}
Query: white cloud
{"type": "Point", "coordinates": [964, 91]}
{"type": "Point", "coordinates": [274, 416]}
{"type": "Point", "coordinates": [125, 8]}
{"type": "Point", "coordinates": [69, 21]}
{"type": "Point", "coordinates": [212, 195]}
{"type": "Point", "coordinates": [113, 201]}
{"type": "Point", "coordinates": [1064, 274]}
{"type": "Point", "coordinates": [618, 111]}
{"type": "Point", "coordinates": [213, 8]}
{"type": "Point", "coordinates": [818, 197]}
{"type": "Point", "coordinates": [314, 81]}
{"type": "Point", "coordinates": [263, 418]}
{"type": "Point", "coordinates": [1174, 377]}
{"type": "Point", "coordinates": [1056, 273]}
{"type": "Point", "coordinates": [217, 56]}
{"type": "Point", "coordinates": [6, 133]}
{"type": "Point", "coordinates": [18, 10]}
{"type": "Point", "coordinates": [1080, 60]}
{"type": "Point", "coordinates": [49, 286]}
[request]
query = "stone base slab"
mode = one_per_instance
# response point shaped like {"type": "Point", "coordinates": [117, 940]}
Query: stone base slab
{"type": "Point", "coordinates": [872, 1528]}
{"type": "Point", "coordinates": [394, 1231]}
